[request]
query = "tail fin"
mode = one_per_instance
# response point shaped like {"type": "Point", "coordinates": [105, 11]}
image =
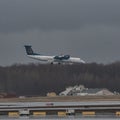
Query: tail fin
{"type": "Point", "coordinates": [29, 50]}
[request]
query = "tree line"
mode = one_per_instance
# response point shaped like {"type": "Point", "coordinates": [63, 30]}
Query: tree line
{"type": "Point", "coordinates": [39, 79]}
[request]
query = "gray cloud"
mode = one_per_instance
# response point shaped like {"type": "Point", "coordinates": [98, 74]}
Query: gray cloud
{"type": "Point", "coordinates": [85, 28]}
{"type": "Point", "coordinates": [19, 15]}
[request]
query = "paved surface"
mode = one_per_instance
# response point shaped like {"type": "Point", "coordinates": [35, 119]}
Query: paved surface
{"type": "Point", "coordinates": [62, 99]}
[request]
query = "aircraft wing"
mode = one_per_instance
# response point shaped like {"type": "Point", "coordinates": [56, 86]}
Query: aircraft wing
{"type": "Point", "coordinates": [62, 57]}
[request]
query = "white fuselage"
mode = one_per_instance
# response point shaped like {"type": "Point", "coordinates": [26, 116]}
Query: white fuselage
{"type": "Point", "coordinates": [50, 59]}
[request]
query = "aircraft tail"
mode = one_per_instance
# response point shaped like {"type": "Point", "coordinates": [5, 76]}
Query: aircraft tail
{"type": "Point", "coordinates": [29, 50]}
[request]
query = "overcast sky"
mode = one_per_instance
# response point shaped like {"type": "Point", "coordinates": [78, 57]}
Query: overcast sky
{"type": "Point", "coordinates": [89, 29]}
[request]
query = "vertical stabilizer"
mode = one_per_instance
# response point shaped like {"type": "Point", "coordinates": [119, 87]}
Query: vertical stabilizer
{"type": "Point", "coordinates": [29, 50]}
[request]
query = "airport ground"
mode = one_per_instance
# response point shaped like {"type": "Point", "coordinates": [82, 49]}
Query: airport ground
{"type": "Point", "coordinates": [61, 107]}
{"type": "Point", "coordinates": [63, 99]}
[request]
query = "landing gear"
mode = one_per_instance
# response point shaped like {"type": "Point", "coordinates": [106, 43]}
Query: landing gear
{"type": "Point", "coordinates": [59, 63]}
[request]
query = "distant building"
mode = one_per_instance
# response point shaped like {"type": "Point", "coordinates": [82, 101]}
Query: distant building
{"type": "Point", "coordinates": [51, 94]}
{"type": "Point", "coordinates": [7, 95]}
{"type": "Point", "coordinates": [82, 91]}
{"type": "Point", "coordinates": [95, 91]}
{"type": "Point", "coordinates": [72, 90]}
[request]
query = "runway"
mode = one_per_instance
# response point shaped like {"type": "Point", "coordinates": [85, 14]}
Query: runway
{"type": "Point", "coordinates": [70, 107]}
{"type": "Point", "coordinates": [60, 109]}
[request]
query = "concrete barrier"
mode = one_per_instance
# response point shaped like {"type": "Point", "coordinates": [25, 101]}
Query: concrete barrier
{"type": "Point", "coordinates": [61, 113]}
{"type": "Point", "coordinates": [88, 113]}
{"type": "Point", "coordinates": [13, 114]}
{"type": "Point", "coordinates": [39, 114]}
{"type": "Point", "coordinates": [118, 113]}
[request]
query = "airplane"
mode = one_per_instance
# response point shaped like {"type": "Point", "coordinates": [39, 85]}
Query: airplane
{"type": "Point", "coordinates": [59, 59]}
